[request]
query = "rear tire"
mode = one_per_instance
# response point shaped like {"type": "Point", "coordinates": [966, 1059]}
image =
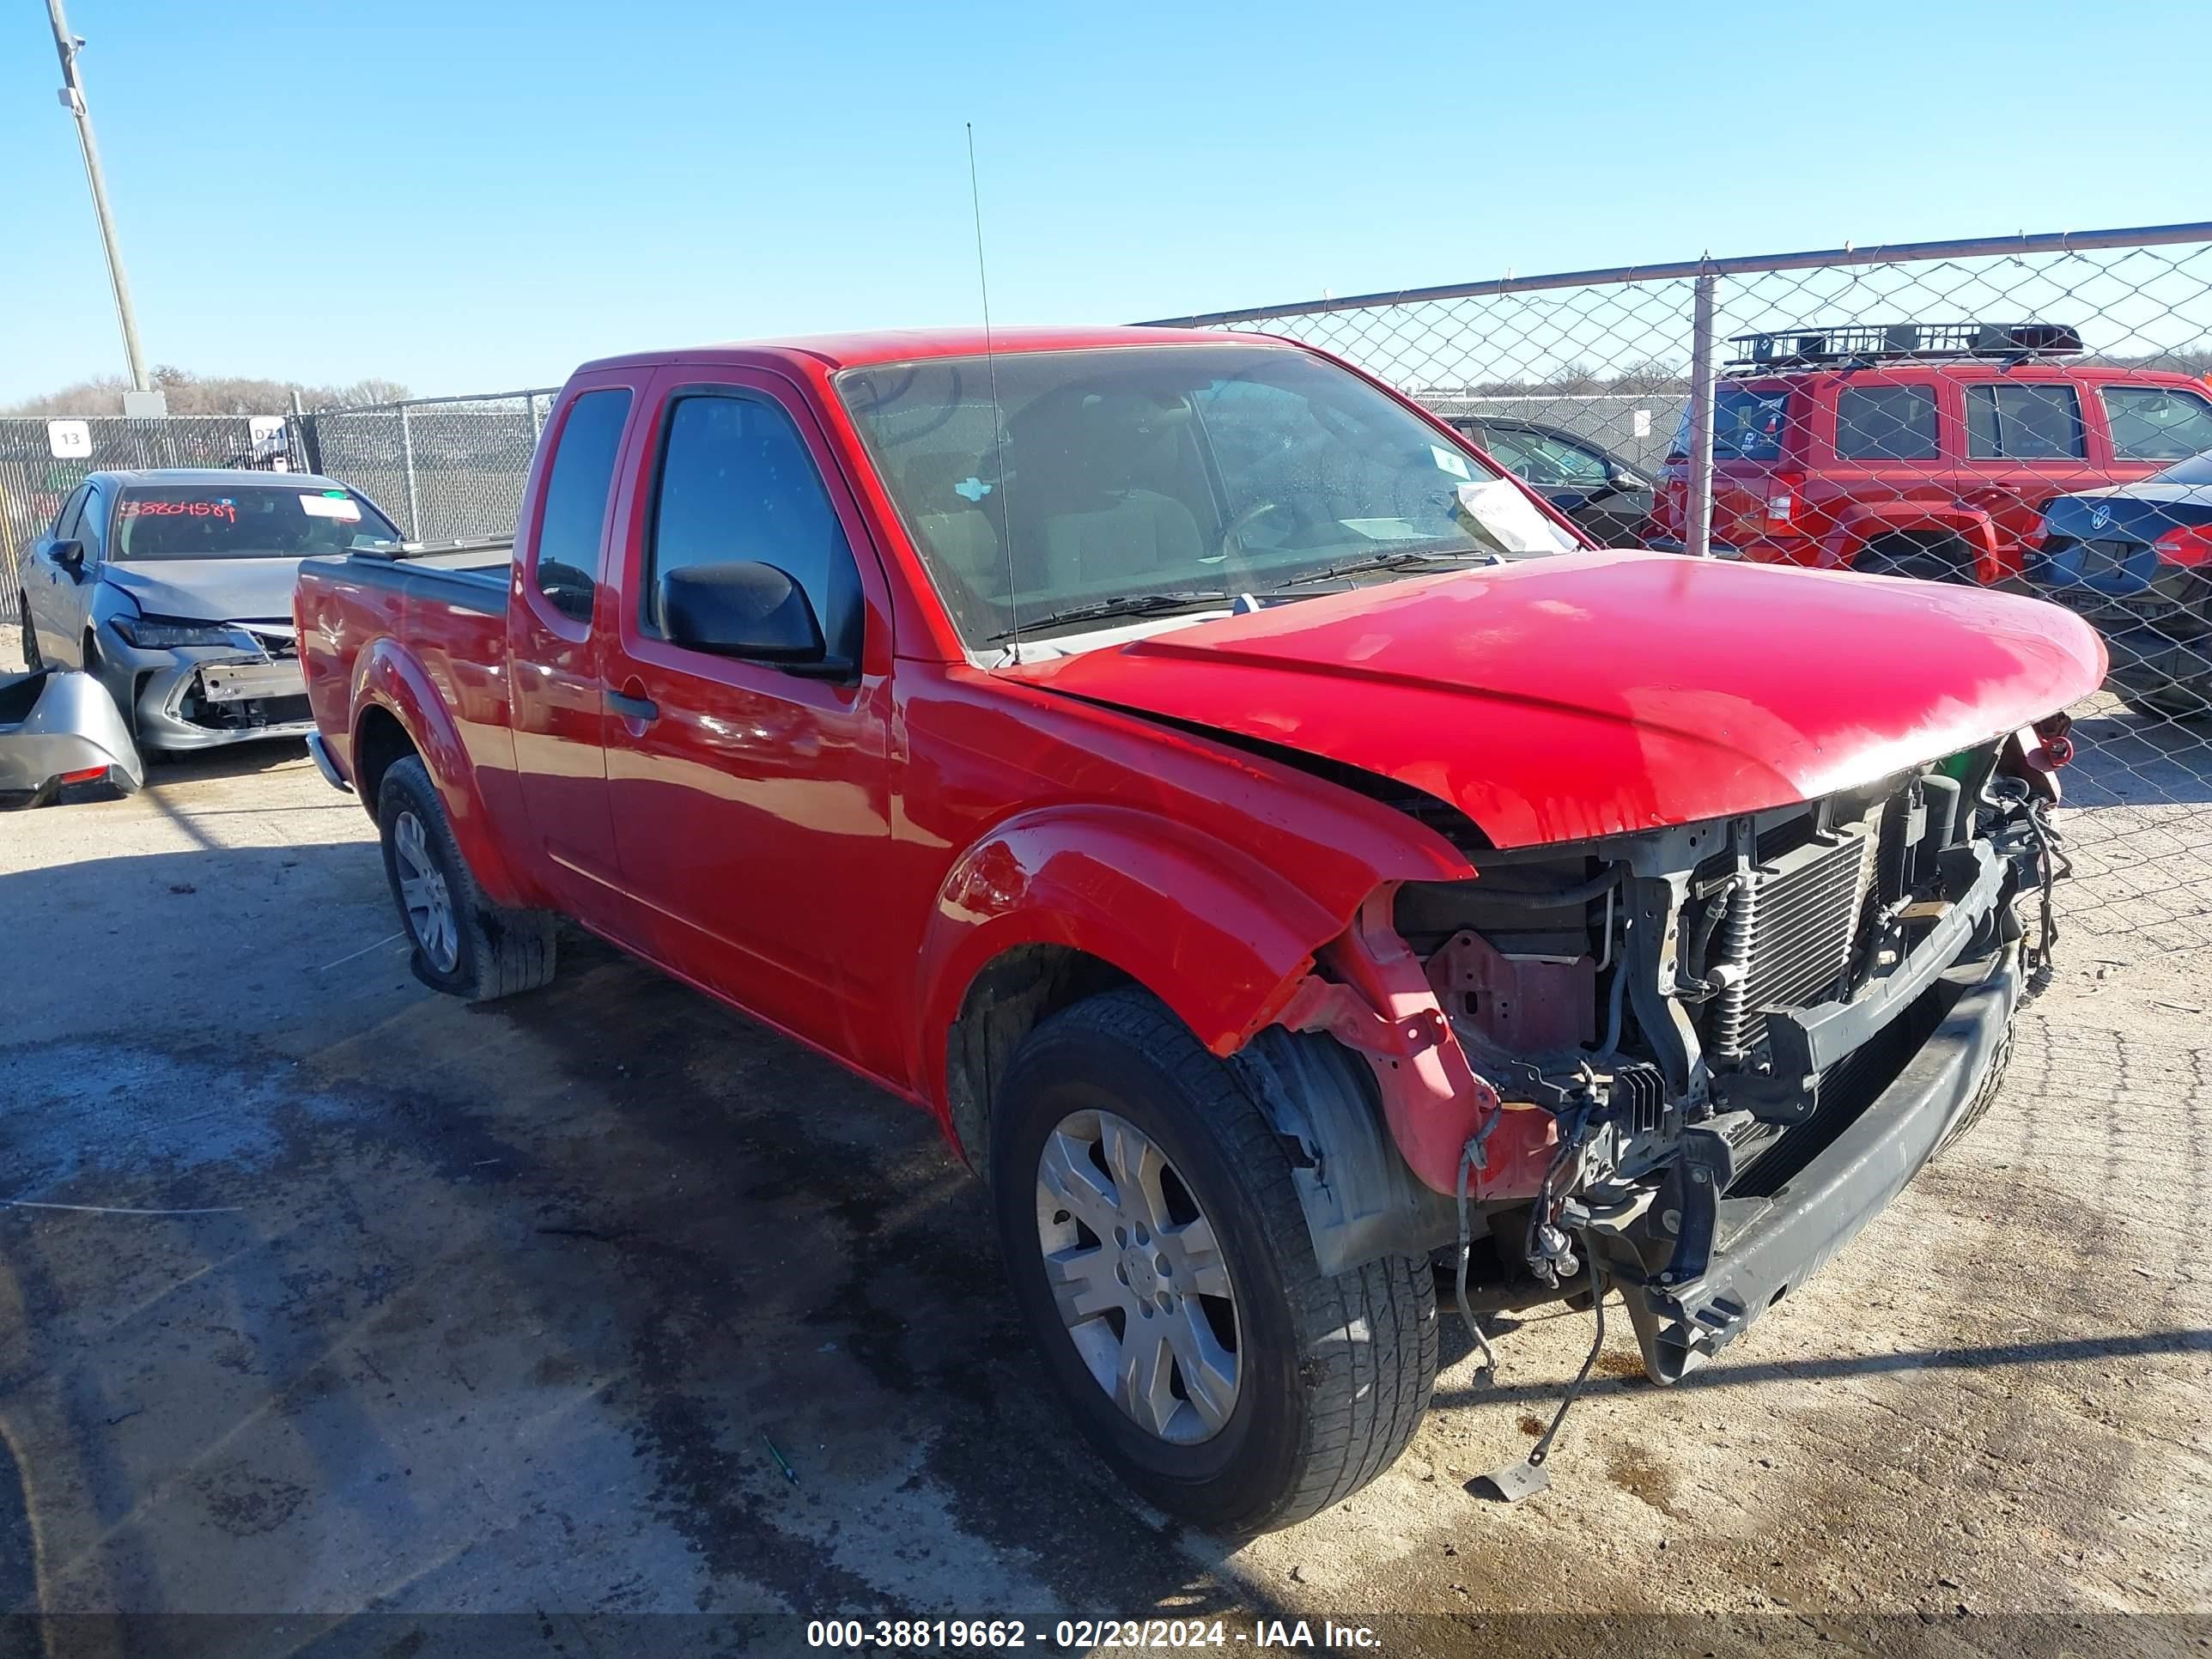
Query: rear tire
{"type": "Point", "coordinates": [463, 943]}
{"type": "Point", "coordinates": [1928, 561]}
{"type": "Point", "coordinates": [1326, 1377]}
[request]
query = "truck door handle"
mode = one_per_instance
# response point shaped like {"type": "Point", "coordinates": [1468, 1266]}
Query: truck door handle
{"type": "Point", "coordinates": [640, 710]}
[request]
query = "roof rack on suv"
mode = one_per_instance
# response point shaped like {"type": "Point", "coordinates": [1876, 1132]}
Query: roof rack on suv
{"type": "Point", "coordinates": [1868, 342]}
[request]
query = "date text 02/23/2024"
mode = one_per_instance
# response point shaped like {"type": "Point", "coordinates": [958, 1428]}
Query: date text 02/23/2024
{"type": "Point", "coordinates": [1089, 1635]}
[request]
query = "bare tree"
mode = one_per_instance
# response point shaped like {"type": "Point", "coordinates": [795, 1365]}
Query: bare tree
{"type": "Point", "coordinates": [208, 394]}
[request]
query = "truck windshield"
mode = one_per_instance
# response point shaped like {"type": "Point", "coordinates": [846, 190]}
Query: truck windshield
{"type": "Point", "coordinates": [244, 520]}
{"type": "Point", "coordinates": [1111, 482]}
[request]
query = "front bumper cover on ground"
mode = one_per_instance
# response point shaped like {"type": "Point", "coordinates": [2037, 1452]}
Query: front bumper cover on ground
{"type": "Point", "coordinates": [1766, 1247]}
{"type": "Point", "coordinates": [58, 724]}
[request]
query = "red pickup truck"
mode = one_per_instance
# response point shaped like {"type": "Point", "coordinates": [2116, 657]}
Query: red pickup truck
{"type": "Point", "coordinates": [1285, 860]}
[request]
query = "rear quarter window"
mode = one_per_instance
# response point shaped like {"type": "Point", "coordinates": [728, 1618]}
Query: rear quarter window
{"type": "Point", "coordinates": [571, 522]}
{"type": "Point", "coordinates": [1750, 423]}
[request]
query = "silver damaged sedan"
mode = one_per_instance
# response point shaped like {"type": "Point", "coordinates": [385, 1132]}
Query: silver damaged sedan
{"type": "Point", "coordinates": [173, 589]}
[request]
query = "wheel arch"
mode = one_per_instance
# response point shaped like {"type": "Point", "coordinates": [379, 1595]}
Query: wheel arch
{"type": "Point", "coordinates": [390, 686]}
{"type": "Point", "coordinates": [378, 740]}
{"type": "Point", "coordinates": [1924, 524]}
{"type": "Point", "coordinates": [1010, 996]}
{"type": "Point", "coordinates": [1055, 904]}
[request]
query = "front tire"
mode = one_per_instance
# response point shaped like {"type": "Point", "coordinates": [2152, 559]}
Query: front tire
{"type": "Point", "coordinates": [464, 945]}
{"type": "Point", "coordinates": [1159, 1255]}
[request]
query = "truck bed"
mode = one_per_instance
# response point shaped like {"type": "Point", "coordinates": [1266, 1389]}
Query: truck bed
{"type": "Point", "coordinates": [447, 603]}
{"type": "Point", "coordinates": [471, 575]}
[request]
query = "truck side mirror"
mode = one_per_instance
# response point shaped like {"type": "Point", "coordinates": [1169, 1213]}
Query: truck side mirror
{"type": "Point", "coordinates": [747, 609]}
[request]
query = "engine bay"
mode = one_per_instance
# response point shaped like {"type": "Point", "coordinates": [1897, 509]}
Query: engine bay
{"type": "Point", "coordinates": [1699, 1011]}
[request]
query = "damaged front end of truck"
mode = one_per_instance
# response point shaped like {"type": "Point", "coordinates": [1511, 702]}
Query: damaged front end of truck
{"type": "Point", "coordinates": [1690, 1063]}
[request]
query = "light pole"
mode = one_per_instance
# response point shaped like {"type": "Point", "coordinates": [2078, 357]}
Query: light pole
{"type": "Point", "coordinates": [72, 97]}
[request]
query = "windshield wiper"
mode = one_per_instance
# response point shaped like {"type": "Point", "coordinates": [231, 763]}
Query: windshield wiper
{"type": "Point", "coordinates": [1399, 559]}
{"type": "Point", "coordinates": [1127, 604]}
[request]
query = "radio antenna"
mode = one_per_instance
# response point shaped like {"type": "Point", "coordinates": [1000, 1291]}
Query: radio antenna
{"type": "Point", "coordinates": [998, 418]}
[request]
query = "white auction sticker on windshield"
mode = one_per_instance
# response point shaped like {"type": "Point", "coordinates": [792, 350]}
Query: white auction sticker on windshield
{"type": "Point", "coordinates": [1498, 515]}
{"type": "Point", "coordinates": [330, 507]}
{"type": "Point", "coordinates": [1448, 462]}
{"type": "Point", "coordinates": [1385, 530]}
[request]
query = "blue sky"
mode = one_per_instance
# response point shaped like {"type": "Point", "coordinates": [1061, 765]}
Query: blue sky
{"type": "Point", "coordinates": [466, 196]}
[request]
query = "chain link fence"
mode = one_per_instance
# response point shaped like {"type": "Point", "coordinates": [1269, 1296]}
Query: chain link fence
{"type": "Point", "coordinates": [41, 461]}
{"type": "Point", "coordinates": [2025, 413]}
{"type": "Point", "coordinates": [445, 469]}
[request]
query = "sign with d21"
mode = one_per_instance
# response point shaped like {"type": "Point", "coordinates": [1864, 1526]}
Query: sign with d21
{"type": "Point", "coordinates": [69, 441]}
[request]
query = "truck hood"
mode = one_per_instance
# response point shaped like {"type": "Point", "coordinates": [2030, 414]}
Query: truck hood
{"type": "Point", "coordinates": [208, 590]}
{"type": "Point", "coordinates": [1601, 693]}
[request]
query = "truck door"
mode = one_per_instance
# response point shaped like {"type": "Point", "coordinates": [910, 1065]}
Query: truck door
{"type": "Point", "coordinates": [750, 801]}
{"type": "Point", "coordinates": [576, 496]}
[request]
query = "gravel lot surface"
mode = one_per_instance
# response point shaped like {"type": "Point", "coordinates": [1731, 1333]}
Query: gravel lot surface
{"type": "Point", "coordinates": [491, 1309]}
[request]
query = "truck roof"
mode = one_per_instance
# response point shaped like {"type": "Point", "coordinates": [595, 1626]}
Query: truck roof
{"type": "Point", "coordinates": [902, 345]}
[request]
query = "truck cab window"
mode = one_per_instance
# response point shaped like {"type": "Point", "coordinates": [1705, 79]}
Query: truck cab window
{"type": "Point", "coordinates": [571, 528]}
{"type": "Point", "coordinates": [737, 485]}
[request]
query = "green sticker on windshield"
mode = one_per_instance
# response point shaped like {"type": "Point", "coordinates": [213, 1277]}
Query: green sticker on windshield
{"type": "Point", "coordinates": [336, 495]}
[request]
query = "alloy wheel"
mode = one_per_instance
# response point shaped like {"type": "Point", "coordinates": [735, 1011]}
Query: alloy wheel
{"type": "Point", "coordinates": [424, 893]}
{"type": "Point", "coordinates": [1138, 1276]}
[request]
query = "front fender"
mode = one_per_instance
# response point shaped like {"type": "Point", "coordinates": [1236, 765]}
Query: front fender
{"type": "Point", "coordinates": [1216, 935]}
{"type": "Point", "coordinates": [385, 676]}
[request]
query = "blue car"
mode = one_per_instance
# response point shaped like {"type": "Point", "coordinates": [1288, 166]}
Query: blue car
{"type": "Point", "coordinates": [2137, 560]}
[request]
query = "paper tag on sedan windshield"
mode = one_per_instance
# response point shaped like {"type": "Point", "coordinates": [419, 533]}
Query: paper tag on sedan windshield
{"type": "Point", "coordinates": [330, 507]}
{"type": "Point", "coordinates": [1496, 514]}
{"type": "Point", "coordinates": [1448, 462]}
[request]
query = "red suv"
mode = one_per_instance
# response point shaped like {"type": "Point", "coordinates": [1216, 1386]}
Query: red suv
{"type": "Point", "coordinates": [1923, 449]}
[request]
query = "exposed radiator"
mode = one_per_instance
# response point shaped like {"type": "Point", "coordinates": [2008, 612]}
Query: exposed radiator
{"type": "Point", "coordinates": [1808, 908]}
{"type": "Point", "coordinates": [1806, 915]}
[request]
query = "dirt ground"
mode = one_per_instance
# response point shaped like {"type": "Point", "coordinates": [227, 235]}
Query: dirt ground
{"type": "Point", "coordinates": [454, 1310]}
